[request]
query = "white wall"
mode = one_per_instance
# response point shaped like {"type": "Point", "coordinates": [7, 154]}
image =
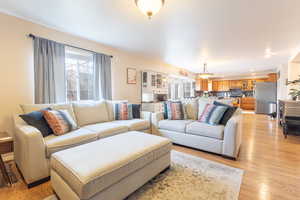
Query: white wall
{"type": "Point", "coordinates": [16, 65]}
{"type": "Point", "coordinates": [282, 91]}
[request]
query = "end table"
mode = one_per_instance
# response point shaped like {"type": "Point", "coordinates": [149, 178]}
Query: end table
{"type": "Point", "coordinates": [6, 146]}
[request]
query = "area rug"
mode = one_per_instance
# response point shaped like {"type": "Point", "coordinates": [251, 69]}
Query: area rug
{"type": "Point", "coordinates": [191, 178]}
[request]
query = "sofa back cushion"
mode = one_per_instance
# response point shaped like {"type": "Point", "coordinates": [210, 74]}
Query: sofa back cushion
{"type": "Point", "coordinates": [28, 108]}
{"type": "Point", "coordinates": [90, 112]}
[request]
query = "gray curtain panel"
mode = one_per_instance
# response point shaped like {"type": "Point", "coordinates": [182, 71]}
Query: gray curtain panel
{"type": "Point", "coordinates": [49, 71]}
{"type": "Point", "coordinates": [102, 64]}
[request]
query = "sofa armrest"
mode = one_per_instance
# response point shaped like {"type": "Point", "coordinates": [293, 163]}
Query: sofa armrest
{"type": "Point", "coordinates": [29, 150]}
{"type": "Point", "coordinates": [233, 136]}
{"type": "Point", "coordinates": [146, 115]}
{"type": "Point", "coordinates": [155, 118]}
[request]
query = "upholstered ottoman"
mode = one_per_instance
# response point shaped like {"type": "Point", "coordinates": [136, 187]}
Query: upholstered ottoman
{"type": "Point", "coordinates": [110, 168]}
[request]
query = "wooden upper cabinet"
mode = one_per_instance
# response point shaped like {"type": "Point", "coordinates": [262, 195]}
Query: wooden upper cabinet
{"type": "Point", "coordinates": [215, 85]}
{"type": "Point", "coordinates": [198, 84]}
{"type": "Point", "coordinates": [201, 84]}
{"type": "Point", "coordinates": [272, 77]}
{"type": "Point", "coordinates": [225, 85]}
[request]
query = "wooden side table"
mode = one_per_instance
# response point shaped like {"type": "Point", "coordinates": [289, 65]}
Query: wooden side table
{"type": "Point", "coordinates": [6, 146]}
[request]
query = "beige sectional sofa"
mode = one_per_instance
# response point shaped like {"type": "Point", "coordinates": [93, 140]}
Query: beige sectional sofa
{"type": "Point", "coordinates": [95, 120]}
{"type": "Point", "coordinates": [224, 140]}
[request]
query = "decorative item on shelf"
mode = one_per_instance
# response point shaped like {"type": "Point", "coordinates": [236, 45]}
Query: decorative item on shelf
{"type": "Point", "coordinates": [183, 72]}
{"type": "Point", "coordinates": [158, 81]}
{"type": "Point", "coordinates": [145, 79]}
{"type": "Point", "coordinates": [131, 76]}
{"type": "Point", "coordinates": [205, 74]}
{"type": "Point", "coordinates": [149, 7]}
{"type": "Point", "coordinates": [295, 93]}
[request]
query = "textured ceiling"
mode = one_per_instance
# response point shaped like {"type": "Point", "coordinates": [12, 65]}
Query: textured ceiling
{"type": "Point", "coordinates": [231, 35]}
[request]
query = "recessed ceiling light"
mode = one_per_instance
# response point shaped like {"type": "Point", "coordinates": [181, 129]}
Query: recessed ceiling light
{"type": "Point", "coordinates": [269, 53]}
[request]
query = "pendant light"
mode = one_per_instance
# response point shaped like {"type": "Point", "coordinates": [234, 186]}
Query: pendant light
{"type": "Point", "coordinates": [205, 74]}
{"type": "Point", "coordinates": [149, 7]}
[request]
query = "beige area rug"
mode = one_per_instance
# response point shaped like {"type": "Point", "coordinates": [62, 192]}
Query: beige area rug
{"type": "Point", "coordinates": [191, 178]}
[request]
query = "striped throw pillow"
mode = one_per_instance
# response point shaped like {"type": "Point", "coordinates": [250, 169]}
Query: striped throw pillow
{"type": "Point", "coordinates": [60, 121]}
{"type": "Point", "coordinates": [175, 111]}
{"type": "Point", "coordinates": [212, 114]}
{"type": "Point", "coordinates": [204, 116]}
{"type": "Point", "coordinates": [123, 111]}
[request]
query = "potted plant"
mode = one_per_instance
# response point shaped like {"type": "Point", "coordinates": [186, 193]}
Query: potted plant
{"type": "Point", "coordinates": [295, 93]}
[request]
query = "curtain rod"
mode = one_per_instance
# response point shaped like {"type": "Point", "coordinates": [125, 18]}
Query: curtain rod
{"type": "Point", "coordinates": [33, 37]}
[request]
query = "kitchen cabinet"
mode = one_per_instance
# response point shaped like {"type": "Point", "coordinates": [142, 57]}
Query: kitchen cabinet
{"type": "Point", "coordinates": [215, 86]}
{"type": "Point", "coordinates": [272, 77]}
{"type": "Point", "coordinates": [201, 84]}
{"type": "Point", "coordinates": [247, 103]}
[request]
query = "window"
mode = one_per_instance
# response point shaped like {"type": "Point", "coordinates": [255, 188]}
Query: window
{"type": "Point", "coordinates": [79, 75]}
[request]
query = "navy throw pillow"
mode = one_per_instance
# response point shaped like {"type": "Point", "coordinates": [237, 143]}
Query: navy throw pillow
{"type": "Point", "coordinates": [37, 120]}
{"type": "Point", "coordinates": [228, 113]}
{"type": "Point", "coordinates": [136, 111]}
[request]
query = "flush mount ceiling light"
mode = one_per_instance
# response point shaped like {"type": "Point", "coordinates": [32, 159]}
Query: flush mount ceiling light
{"type": "Point", "coordinates": [205, 74]}
{"type": "Point", "coordinates": [149, 7]}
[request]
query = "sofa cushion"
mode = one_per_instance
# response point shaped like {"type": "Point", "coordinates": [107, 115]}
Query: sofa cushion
{"type": "Point", "coordinates": [89, 173]}
{"type": "Point", "coordinates": [203, 129]}
{"type": "Point", "coordinates": [57, 143]}
{"type": "Point", "coordinates": [174, 125]}
{"type": "Point", "coordinates": [134, 124]}
{"type": "Point", "coordinates": [107, 129]}
{"type": "Point", "coordinates": [28, 108]}
{"type": "Point", "coordinates": [90, 112]}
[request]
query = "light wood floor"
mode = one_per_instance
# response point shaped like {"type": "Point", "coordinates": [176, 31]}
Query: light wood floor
{"type": "Point", "coordinates": [271, 164]}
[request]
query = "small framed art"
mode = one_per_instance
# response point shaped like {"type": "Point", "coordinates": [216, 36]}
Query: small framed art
{"type": "Point", "coordinates": [131, 76]}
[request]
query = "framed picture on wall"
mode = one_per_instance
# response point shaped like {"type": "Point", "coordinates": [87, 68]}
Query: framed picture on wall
{"type": "Point", "coordinates": [131, 76]}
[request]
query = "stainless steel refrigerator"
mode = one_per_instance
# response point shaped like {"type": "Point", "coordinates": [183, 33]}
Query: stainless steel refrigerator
{"type": "Point", "coordinates": [264, 94]}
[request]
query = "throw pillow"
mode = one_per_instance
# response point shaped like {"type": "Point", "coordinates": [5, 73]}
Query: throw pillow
{"type": "Point", "coordinates": [202, 105]}
{"type": "Point", "coordinates": [204, 116]}
{"type": "Point", "coordinates": [175, 111]}
{"type": "Point", "coordinates": [123, 111]}
{"type": "Point", "coordinates": [136, 111]}
{"type": "Point", "coordinates": [37, 120]}
{"type": "Point", "coordinates": [191, 109]}
{"type": "Point", "coordinates": [165, 110]}
{"type": "Point", "coordinates": [212, 114]}
{"type": "Point", "coordinates": [228, 113]}
{"type": "Point", "coordinates": [60, 121]}
{"type": "Point", "coordinates": [216, 115]}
